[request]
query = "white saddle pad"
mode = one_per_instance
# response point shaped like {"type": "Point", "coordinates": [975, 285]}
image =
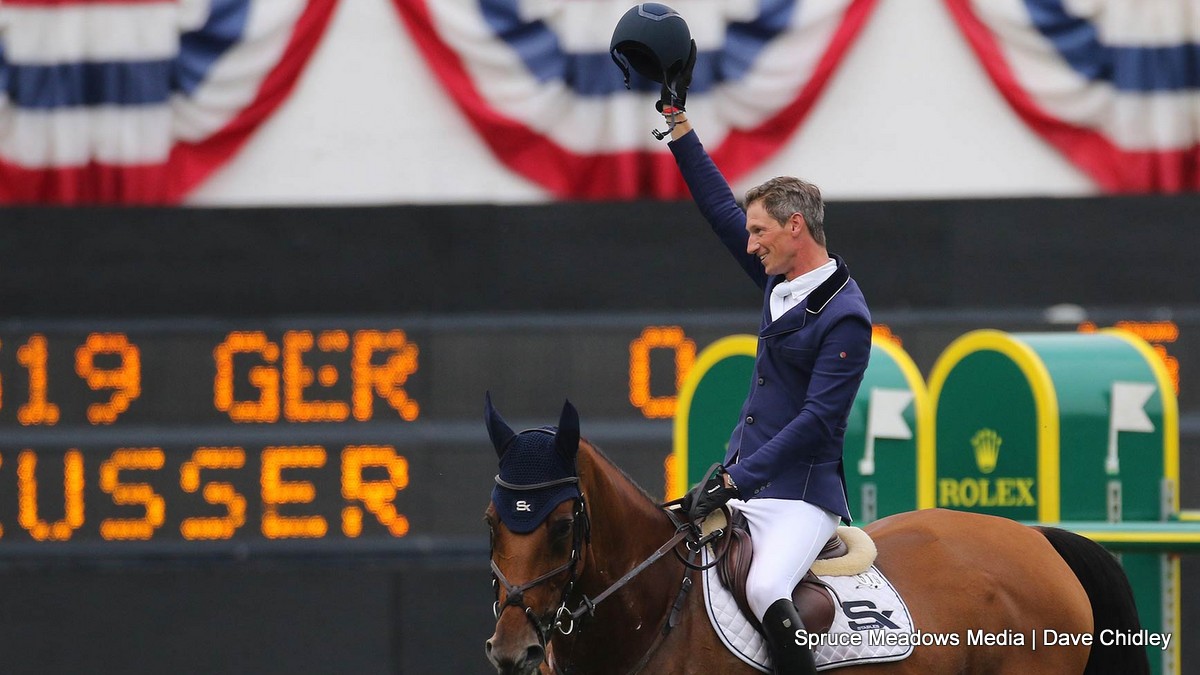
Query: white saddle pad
{"type": "Point", "coordinates": [871, 623]}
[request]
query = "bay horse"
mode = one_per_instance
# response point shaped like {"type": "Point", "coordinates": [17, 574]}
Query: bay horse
{"type": "Point", "coordinates": [583, 586]}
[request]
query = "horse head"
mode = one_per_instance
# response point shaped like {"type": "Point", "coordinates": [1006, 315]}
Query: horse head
{"type": "Point", "coordinates": [539, 528]}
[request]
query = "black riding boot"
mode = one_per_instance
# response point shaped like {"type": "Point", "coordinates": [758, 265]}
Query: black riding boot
{"type": "Point", "coordinates": [780, 624]}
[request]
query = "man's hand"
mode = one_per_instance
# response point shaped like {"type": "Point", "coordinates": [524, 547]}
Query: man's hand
{"type": "Point", "coordinates": [679, 81]}
{"type": "Point", "coordinates": [709, 496]}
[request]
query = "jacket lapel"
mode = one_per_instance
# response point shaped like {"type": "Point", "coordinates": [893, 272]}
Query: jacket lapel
{"type": "Point", "coordinates": [797, 317]}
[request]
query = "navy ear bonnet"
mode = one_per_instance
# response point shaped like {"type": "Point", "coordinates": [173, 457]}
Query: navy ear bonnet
{"type": "Point", "coordinates": [537, 468]}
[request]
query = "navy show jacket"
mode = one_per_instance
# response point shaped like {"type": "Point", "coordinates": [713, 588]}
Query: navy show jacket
{"type": "Point", "coordinates": [809, 364]}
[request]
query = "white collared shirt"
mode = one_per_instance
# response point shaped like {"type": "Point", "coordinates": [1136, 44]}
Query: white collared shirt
{"type": "Point", "coordinates": [788, 294]}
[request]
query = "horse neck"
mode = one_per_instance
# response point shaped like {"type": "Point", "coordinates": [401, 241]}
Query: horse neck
{"type": "Point", "coordinates": [627, 527]}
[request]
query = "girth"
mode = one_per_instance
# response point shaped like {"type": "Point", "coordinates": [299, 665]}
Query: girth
{"type": "Point", "coordinates": [812, 600]}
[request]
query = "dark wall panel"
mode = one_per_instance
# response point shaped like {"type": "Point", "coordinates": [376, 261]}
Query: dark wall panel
{"type": "Point", "coordinates": [315, 620]}
{"type": "Point", "coordinates": [650, 255]}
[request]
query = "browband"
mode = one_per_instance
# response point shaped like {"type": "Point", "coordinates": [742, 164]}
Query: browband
{"type": "Point", "coordinates": [535, 486]}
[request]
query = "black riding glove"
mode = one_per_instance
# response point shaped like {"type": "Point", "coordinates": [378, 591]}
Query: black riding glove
{"type": "Point", "coordinates": [679, 81]}
{"type": "Point", "coordinates": [708, 496]}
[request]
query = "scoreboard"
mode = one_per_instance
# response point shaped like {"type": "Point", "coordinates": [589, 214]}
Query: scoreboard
{"type": "Point", "coordinates": [180, 436]}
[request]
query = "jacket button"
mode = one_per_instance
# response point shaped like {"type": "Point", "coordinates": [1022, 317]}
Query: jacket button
{"type": "Point", "coordinates": [750, 419]}
{"type": "Point", "coordinates": [761, 381]}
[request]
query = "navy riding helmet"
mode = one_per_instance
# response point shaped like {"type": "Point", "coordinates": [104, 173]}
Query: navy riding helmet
{"type": "Point", "coordinates": [653, 40]}
{"type": "Point", "coordinates": [537, 468]}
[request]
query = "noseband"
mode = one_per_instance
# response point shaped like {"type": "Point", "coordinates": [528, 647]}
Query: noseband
{"type": "Point", "coordinates": [562, 618]}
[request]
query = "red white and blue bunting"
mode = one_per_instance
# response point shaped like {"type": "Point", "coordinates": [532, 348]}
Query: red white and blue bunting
{"type": "Point", "coordinates": [535, 79]}
{"type": "Point", "coordinates": [138, 101]}
{"type": "Point", "coordinates": [1113, 84]}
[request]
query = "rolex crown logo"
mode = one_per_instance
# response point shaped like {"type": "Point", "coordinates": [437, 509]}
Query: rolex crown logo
{"type": "Point", "coordinates": [987, 449]}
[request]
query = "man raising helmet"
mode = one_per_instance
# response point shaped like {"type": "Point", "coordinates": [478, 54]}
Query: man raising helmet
{"type": "Point", "coordinates": [783, 468]}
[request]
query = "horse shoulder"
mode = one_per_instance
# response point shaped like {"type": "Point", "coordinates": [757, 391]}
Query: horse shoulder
{"type": "Point", "coordinates": [694, 648]}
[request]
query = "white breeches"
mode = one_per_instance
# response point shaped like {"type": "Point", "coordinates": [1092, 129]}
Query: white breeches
{"type": "Point", "coordinates": [788, 534]}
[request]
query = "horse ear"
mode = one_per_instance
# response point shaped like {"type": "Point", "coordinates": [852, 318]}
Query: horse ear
{"type": "Point", "coordinates": [567, 438]}
{"type": "Point", "coordinates": [498, 429]}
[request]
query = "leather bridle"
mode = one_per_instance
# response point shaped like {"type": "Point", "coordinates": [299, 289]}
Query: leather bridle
{"type": "Point", "coordinates": [581, 534]}
{"type": "Point", "coordinates": [563, 618]}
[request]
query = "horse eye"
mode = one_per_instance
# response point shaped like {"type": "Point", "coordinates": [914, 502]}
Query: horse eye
{"type": "Point", "coordinates": [560, 529]}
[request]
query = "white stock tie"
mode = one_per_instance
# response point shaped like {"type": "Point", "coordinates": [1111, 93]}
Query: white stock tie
{"type": "Point", "coordinates": [788, 294]}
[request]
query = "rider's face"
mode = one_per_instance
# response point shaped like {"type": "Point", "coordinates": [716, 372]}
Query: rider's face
{"type": "Point", "coordinates": [773, 242]}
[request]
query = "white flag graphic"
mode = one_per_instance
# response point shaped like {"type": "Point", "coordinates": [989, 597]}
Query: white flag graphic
{"type": "Point", "coordinates": [1128, 413]}
{"type": "Point", "coordinates": [885, 419]}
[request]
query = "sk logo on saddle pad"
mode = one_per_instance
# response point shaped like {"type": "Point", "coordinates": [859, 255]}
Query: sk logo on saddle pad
{"type": "Point", "coordinates": [864, 615]}
{"type": "Point", "coordinates": [871, 624]}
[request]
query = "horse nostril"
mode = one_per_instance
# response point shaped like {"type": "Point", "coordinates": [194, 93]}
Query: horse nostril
{"type": "Point", "coordinates": [534, 655]}
{"type": "Point", "coordinates": [515, 662]}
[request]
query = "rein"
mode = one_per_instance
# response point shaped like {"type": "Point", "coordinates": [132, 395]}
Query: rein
{"type": "Point", "coordinates": [587, 606]}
